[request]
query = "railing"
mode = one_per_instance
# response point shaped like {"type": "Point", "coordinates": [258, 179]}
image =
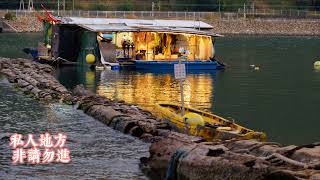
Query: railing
{"type": "Point", "coordinates": [205, 16]}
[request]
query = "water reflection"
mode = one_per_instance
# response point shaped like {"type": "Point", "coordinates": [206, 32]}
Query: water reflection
{"type": "Point", "coordinates": [144, 89]}
{"type": "Point", "coordinates": [70, 76]}
{"type": "Point", "coordinates": [147, 89]}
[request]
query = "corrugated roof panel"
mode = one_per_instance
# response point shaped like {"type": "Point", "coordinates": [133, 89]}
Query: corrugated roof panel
{"type": "Point", "coordinates": [137, 22]}
{"type": "Point", "coordinates": [108, 28]}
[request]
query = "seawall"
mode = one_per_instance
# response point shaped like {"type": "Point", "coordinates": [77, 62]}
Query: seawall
{"type": "Point", "coordinates": [23, 24]}
{"type": "Point", "coordinates": [293, 27]}
{"type": "Point", "coordinates": [249, 26]}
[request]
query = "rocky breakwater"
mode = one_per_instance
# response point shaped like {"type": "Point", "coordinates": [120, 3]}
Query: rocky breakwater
{"type": "Point", "coordinates": [126, 118]}
{"type": "Point", "coordinates": [178, 156]}
{"type": "Point", "coordinates": [34, 79]}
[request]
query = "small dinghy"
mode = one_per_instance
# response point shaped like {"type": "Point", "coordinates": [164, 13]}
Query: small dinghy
{"type": "Point", "coordinates": [204, 124]}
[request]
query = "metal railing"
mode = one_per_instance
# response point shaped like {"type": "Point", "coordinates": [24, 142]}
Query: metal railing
{"type": "Point", "coordinates": [205, 16]}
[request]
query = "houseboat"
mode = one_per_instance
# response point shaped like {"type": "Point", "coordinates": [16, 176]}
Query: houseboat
{"type": "Point", "coordinates": [130, 43]}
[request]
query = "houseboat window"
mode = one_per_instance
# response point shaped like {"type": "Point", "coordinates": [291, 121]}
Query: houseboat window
{"type": "Point", "coordinates": [162, 46]}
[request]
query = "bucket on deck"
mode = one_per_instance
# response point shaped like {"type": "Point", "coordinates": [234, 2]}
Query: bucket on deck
{"type": "Point", "coordinates": [115, 67]}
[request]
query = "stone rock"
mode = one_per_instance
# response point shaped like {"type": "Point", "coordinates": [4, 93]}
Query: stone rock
{"type": "Point", "coordinates": [123, 124]}
{"type": "Point", "coordinates": [307, 155]}
{"type": "Point", "coordinates": [182, 158]}
{"type": "Point", "coordinates": [48, 98]}
{"type": "Point", "coordinates": [136, 131]}
{"type": "Point", "coordinates": [79, 90]}
{"type": "Point", "coordinates": [22, 83]}
{"type": "Point", "coordinates": [103, 113]}
{"type": "Point", "coordinates": [147, 127]}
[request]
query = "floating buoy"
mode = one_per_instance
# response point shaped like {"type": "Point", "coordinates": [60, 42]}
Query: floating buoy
{"type": "Point", "coordinates": [252, 65]}
{"type": "Point", "coordinates": [317, 65]}
{"type": "Point", "coordinates": [257, 68]}
{"type": "Point", "coordinates": [90, 58]}
{"type": "Point", "coordinates": [194, 119]}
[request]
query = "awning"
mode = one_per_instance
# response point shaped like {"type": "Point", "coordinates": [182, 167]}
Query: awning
{"type": "Point", "coordinates": [122, 28]}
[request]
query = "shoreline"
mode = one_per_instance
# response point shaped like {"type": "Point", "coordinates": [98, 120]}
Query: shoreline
{"type": "Point", "coordinates": [224, 34]}
{"type": "Point", "coordinates": [250, 27]}
{"type": "Point", "coordinates": [279, 27]}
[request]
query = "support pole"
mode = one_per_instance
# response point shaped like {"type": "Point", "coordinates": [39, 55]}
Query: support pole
{"type": "Point", "coordinates": [253, 9]}
{"type": "Point", "coordinates": [244, 11]}
{"type": "Point", "coordinates": [181, 93]}
{"type": "Point", "coordinates": [21, 7]}
{"type": "Point", "coordinates": [152, 8]}
{"type": "Point", "coordinates": [58, 7]}
{"type": "Point", "coordinates": [64, 7]}
{"type": "Point", "coordinates": [30, 5]}
{"type": "Point", "coordinates": [219, 9]}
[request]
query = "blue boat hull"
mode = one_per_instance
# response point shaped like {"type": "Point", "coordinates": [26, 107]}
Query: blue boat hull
{"type": "Point", "coordinates": [169, 65]}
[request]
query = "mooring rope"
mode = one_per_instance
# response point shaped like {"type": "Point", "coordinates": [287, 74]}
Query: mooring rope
{"type": "Point", "coordinates": [173, 164]}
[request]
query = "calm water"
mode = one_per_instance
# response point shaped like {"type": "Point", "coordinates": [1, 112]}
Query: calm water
{"type": "Point", "coordinates": [281, 99]}
{"type": "Point", "coordinates": [97, 152]}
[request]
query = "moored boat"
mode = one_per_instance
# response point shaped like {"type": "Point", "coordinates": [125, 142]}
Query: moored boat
{"type": "Point", "coordinates": [139, 44]}
{"type": "Point", "coordinates": [207, 125]}
{"type": "Point", "coordinates": [169, 65]}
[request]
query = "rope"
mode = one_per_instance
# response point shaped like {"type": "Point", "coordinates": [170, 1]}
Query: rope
{"type": "Point", "coordinates": [173, 164]}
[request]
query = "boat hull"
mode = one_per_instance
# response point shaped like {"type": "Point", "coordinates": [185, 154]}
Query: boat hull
{"type": "Point", "coordinates": [169, 65]}
{"type": "Point", "coordinates": [209, 133]}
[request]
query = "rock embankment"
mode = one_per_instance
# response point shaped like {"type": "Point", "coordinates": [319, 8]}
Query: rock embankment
{"type": "Point", "coordinates": [25, 24]}
{"type": "Point", "coordinates": [267, 26]}
{"type": "Point", "coordinates": [34, 79]}
{"type": "Point", "coordinates": [310, 27]}
{"type": "Point", "coordinates": [178, 156]}
{"type": "Point", "coordinates": [128, 119]}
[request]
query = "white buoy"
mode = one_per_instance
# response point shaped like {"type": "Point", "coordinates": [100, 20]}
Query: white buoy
{"type": "Point", "coordinates": [316, 65]}
{"type": "Point", "coordinates": [257, 68]}
{"type": "Point", "coordinates": [252, 65]}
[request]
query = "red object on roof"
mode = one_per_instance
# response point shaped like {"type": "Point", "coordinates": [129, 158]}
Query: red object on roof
{"type": "Point", "coordinates": [40, 18]}
{"type": "Point", "coordinates": [49, 16]}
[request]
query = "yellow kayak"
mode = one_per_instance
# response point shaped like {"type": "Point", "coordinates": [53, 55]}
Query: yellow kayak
{"type": "Point", "coordinates": [204, 124]}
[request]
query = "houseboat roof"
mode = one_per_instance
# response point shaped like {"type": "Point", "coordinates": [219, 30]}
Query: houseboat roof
{"type": "Point", "coordinates": [140, 25]}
